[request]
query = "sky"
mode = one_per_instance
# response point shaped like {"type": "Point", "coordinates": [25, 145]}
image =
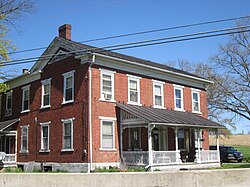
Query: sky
{"type": "Point", "coordinates": [92, 19]}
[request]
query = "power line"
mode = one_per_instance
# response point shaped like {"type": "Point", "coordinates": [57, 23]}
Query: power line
{"type": "Point", "coordinates": [128, 44]}
{"type": "Point", "coordinates": [141, 44]}
{"type": "Point", "coordinates": [143, 32]}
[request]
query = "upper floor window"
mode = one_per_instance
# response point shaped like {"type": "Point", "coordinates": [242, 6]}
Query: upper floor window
{"type": "Point", "coordinates": [24, 139]}
{"type": "Point", "coordinates": [107, 133]}
{"type": "Point", "coordinates": [26, 99]}
{"type": "Point", "coordinates": [68, 87]}
{"type": "Point", "coordinates": [133, 89]}
{"type": "Point", "coordinates": [45, 136]}
{"type": "Point", "coordinates": [46, 93]}
{"type": "Point", "coordinates": [67, 144]}
{"type": "Point", "coordinates": [8, 109]}
{"type": "Point", "coordinates": [158, 94]}
{"type": "Point", "coordinates": [178, 97]}
{"type": "Point", "coordinates": [107, 85]}
{"type": "Point", "coordinates": [195, 100]}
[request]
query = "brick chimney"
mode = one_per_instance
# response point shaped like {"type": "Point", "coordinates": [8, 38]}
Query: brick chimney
{"type": "Point", "coordinates": [65, 31]}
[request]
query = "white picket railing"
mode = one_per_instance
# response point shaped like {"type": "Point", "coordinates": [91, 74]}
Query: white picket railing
{"type": "Point", "coordinates": [135, 157]}
{"type": "Point", "coordinates": [166, 157]}
{"type": "Point", "coordinates": [9, 158]}
{"type": "Point", "coordinates": [208, 156]}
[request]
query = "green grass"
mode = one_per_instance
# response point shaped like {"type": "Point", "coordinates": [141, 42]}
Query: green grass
{"type": "Point", "coordinates": [12, 170]}
{"type": "Point", "coordinates": [245, 150]}
{"type": "Point", "coordinates": [234, 165]}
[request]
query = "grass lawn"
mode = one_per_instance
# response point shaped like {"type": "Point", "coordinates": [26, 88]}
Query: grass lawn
{"type": "Point", "coordinates": [245, 150]}
{"type": "Point", "coordinates": [234, 165]}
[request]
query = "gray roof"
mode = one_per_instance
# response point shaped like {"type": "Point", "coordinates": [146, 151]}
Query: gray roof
{"type": "Point", "coordinates": [169, 117]}
{"type": "Point", "coordinates": [5, 124]}
{"type": "Point", "coordinates": [74, 46]}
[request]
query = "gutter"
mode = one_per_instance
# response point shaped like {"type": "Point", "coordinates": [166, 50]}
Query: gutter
{"type": "Point", "coordinates": [187, 125]}
{"type": "Point", "coordinates": [155, 68]}
{"type": "Point", "coordinates": [90, 115]}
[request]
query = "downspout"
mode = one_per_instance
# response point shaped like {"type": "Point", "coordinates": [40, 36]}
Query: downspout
{"type": "Point", "coordinates": [90, 114]}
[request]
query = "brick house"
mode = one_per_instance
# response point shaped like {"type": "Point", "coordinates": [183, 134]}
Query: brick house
{"type": "Point", "coordinates": [81, 107]}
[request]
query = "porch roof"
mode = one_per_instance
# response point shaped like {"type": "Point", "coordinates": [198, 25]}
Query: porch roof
{"type": "Point", "coordinates": [5, 124]}
{"type": "Point", "coordinates": [168, 117]}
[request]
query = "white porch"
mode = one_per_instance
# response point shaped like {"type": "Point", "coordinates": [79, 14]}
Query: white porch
{"type": "Point", "coordinates": [161, 145]}
{"type": "Point", "coordinates": [8, 143]}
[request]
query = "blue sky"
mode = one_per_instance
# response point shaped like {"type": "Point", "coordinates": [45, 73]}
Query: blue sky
{"type": "Point", "coordinates": [99, 18]}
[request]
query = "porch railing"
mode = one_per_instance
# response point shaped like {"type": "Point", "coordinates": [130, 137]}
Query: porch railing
{"type": "Point", "coordinates": [135, 157]}
{"type": "Point", "coordinates": [9, 158]}
{"type": "Point", "coordinates": [209, 156]}
{"type": "Point", "coordinates": [166, 157]}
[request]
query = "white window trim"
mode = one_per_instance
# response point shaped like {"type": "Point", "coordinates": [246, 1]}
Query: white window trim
{"type": "Point", "coordinates": [65, 76]}
{"type": "Point", "coordinates": [137, 79]}
{"type": "Point", "coordinates": [71, 120]}
{"type": "Point", "coordinates": [161, 84]}
{"type": "Point", "coordinates": [7, 95]}
{"type": "Point", "coordinates": [44, 125]}
{"type": "Point", "coordinates": [25, 88]}
{"type": "Point", "coordinates": [45, 82]}
{"type": "Point", "coordinates": [199, 100]}
{"type": "Point", "coordinates": [107, 119]}
{"type": "Point", "coordinates": [21, 147]}
{"type": "Point", "coordinates": [178, 87]}
{"type": "Point", "coordinates": [112, 74]}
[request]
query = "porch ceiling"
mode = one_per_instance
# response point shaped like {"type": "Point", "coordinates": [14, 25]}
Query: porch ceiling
{"type": "Point", "coordinates": [169, 117]}
{"type": "Point", "coordinates": [5, 124]}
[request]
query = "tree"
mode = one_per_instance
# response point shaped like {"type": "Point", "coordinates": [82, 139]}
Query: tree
{"type": "Point", "coordinates": [11, 11]}
{"type": "Point", "coordinates": [232, 64]}
{"type": "Point", "coordinates": [229, 69]}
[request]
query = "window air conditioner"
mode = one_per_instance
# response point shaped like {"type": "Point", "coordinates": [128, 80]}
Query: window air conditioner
{"type": "Point", "coordinates": [107, 96]}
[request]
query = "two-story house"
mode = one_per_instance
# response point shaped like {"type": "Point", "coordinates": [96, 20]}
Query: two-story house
{"type": "Point", "coordinates": [81, 107]}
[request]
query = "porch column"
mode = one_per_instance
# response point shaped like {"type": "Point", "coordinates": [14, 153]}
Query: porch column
{"type": "Point", "coordinates": [218, 144]}
{"type": "Point", "coordinates": [121, 143]}
{"type": "Point", "coordinates": [199, 145]}
{"type": "Point", "coordinates": [150, 152]}
{"type": "Point", "coordinates": [176, 144]}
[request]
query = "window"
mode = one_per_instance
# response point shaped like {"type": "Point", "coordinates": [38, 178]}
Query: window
{"type": "Point", "coordinates": [158, 94]}
{"type": "Point", "coordinates": [24, 139]}
{"type": "Point", "coordinates": [134, 138]}
{"type": "Point", "coordinates": [46, 93]}
{"type": "Point", "coordinates": [178, 97]}
{"type": "Point", "coordinates": [8, 110]}
{"type": "Point", "coordinates": [107, 85]}
{"type": "Point", "coordinates": [67, 135]}
{"type": "Point", "coordinates": [68, 88]}
{"type": "Point", "coordinates": [196, 101]}
{"type": "Point", "coordinates": [26, 98]}
{"type": "Point", "coordinates": [133, 90]}
{"type": "Point", "coordinates": [107, 133]}
{"type": "Point", "coordinates": [44, 136]}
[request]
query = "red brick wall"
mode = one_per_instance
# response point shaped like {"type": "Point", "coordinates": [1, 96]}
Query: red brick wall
{"type": "Point", "coordinates": [79, 110]}
{"type": "Point", "coordinates": [107, 109]}
{"type": "Point", "coordinates": [55, 114]}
